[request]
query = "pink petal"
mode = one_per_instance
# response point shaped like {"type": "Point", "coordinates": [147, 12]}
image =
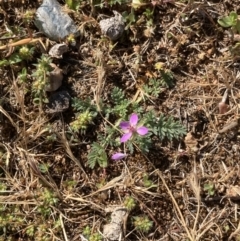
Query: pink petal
{"type": "Point", "coordinates": [124, 125]}
{"type": "Point", "coordinates": [142, 130]}
{"type": "Point", "coordinates": [133, 119]}
{"type": "Point", "coordinates": [126, 137]}
{"type": "Point", "coordinates": [118, 156]}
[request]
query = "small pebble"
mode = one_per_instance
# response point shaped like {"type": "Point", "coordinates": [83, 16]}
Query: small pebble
{"type": "Point", "coordinates": [54, 79]}
{"type": "Point", "coordinates": [113, 27]}
{"type": "Point", "coordinates": [58, 50]}
{"type": "Point", "coordinates": [58, 102]}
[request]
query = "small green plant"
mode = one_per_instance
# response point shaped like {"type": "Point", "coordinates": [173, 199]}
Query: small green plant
{"type": "Point", "coordinates": [44, 167]}
{"type": "Point", "coordinates": [82, 121]}
{"type": "Point", "coordinates": [87, 233]}
{"type": "Point", "coordinates": [153, 88]}
{"type": "Point", "coordinates": [129, 18]}
{"type": "Point", "coordinates": [95, 237]}
{"type": "Point", "coordinates": [120, 103]}
{"type": "Point", "coordinates": [165, 127]}
{"type": "Point", "coordinates": [149, 15]}
{"type": "Point", "coordinates": [43, 68]}
{"type": "Point", "coordinates": [22, 76]}
{"type": "Point", "coordinates": [146, 181]}
{"type": "Point", "coordinates": [47, 199]}
{"type": "Point", "coordinates": [209, 188]}
{"type": "Point", "coordinates": [129, 203]}
{"type": "Point", "coordinates": [142, 223]}
{"type": "Point", "coordinates": [28, 16]}
{"type": "Point", "coordinates": [86, 112]}
{"type": "Point", "coordinates": [10, 218]}
{"type": "Point", "coordinates": [20, 54]}
{"type": "Point", "coordinates": [30, 231]}
{"type": "Point", "coordinates": [230, 21]}
{"type": "Point", "coordinates": [135, 132]}
{"type": "Point", "coordinates": [74, 4]}
{"type": "Point", "coordinates": [97, 155]}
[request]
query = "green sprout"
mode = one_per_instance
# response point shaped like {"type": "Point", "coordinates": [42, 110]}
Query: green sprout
{"type": "Point", "coordinates": [95, 237]}
{"type": "Point", "coordinates": [22, 76]}
{"type": "Point", "coordinates": [30, 231]}
{"type": "Point", "coordinates": [40, 75]}
{"type": "Point", "coordinates": [74, 4]}
{"type": "Point", "coordinates": [209, 187]}
{"type": "Point", "coordinates": [142, 223]}
{"type": "Point", "coordinates": [87, 233]}
{"type": "Point", "coordinates": [26, 53]}
{"type": "Point", "coordinates": [48, 199]}
{"type": "Point", "coordinates": [146, 181]}
{"type": "Point", "coordinates": [28, 16]}
{"type": "Point", "coordinates": [129, 203]}
{"type": "Point", "coordinates": [82, 121]}
{"type": "Point", "coordinates": [97, 155]}
{"type": "Point", "coordinates": [20, 54]}
{"type": "Point", "coordinates": [230, 21]}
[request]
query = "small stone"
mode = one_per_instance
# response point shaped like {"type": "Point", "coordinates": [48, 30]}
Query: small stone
{"type": "Point", "coordinates": [113, 27]}
{"type": "Point", "coordinates": [58, 50]}
{"type": "Point", "coordinates": [112, 231]}
{"type": "Point", "coordinates": [53, 22]}
{"type": "Point", "coordinates": [54, 79]}
{"type": "Point", "coordinates": [58, 102]}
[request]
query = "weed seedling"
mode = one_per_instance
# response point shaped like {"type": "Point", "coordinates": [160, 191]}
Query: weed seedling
{"type": "Point", "coordinates": [143, 224]}
{"type": "Point", "coordinates": [87, 233]}
{"type": "Point", "coordinates": [48, 199]}
{"type": "Point", "coordinates": [74, 4]}
{"type": "Point", "coordinates": [146, 181]}
{"type": "Point", "coordinates": [209, 188]}
{"type": "Point", "coordinates": [21, 54]}
{"type": "Point", "coordinates": [82, 121]}
{"type": "Point", "coordinates": [230, 21]}
{"type": "Point", "coordinates": [129, 203]}
{"type": "Point", "coordinates": [40, 75]}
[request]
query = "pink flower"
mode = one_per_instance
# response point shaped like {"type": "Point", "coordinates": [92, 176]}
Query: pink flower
{"type": "Point", "coordinates": [118, 156]}
{"type": "Point", "coordinates": [130, 127]}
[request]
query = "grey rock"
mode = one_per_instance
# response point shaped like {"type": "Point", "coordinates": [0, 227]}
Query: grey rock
{"type": "Point", "coordinates": [53, 22]}
{"type": "Point", "coordinates": [113, 27]}
{"type": "Point", "coordinates": [113, 230]}
{"type": "Point", "coordinates": [58, 102]}
{"type": "Point", "coordinates": [54, 79]}
{"type": "Point", "coordinates": [58, 50]}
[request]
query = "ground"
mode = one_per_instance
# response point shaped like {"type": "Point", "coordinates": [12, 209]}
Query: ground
{"type": "Point", "coordinates": [175, 66]}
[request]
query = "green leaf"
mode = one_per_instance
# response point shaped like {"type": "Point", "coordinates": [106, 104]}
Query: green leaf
{"type": "Point", "coordinates": [228, 21]}
{"type": "Point", "coordinates": [4, 63]}
{"type": "Point", "coordinates": [237, 27]}
{"type": "Point", "coordinates": [97, 155]}
{"type": "Point", "coordinates": [233, 15]}
{"type": "Point", "coordinates": [165, 127]}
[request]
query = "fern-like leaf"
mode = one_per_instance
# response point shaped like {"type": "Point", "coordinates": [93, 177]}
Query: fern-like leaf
{"type": "Point", "coordinates": [97, 155]}
{"type": "Point", "coordinates": [169, 128]}
{"type": "Point", "coordinates": [165, 127]}
{"type": "Point", "coordinates": [83, 105]}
